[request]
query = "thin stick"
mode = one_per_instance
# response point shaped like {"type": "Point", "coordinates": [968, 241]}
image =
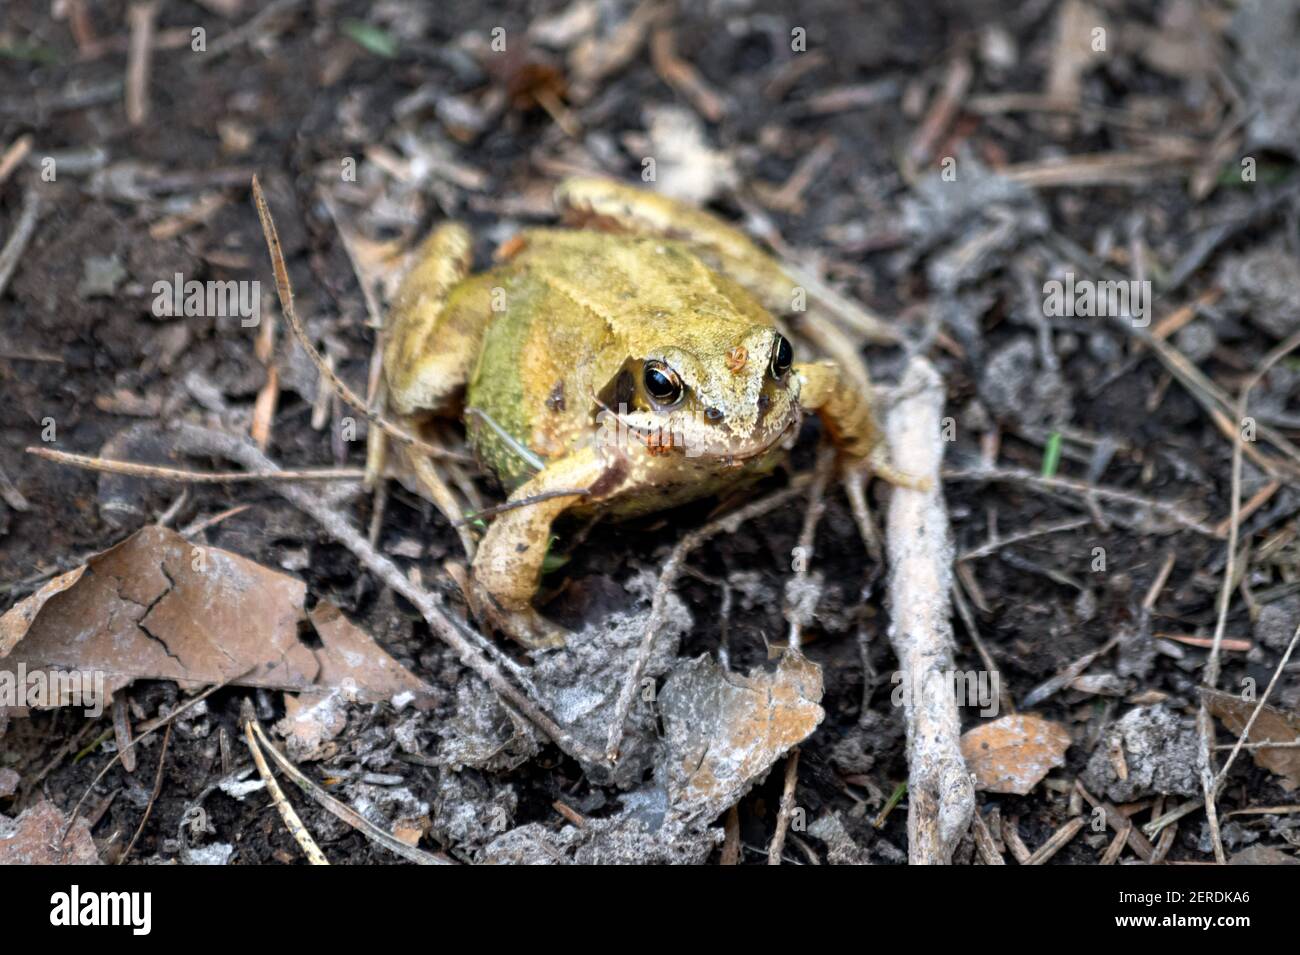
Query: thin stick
{"type": "Point", "coordinates": [984, 841]}
{"type": "Point", "coordinates": [20, 236]}
{"type": "Point", "coordinates": [290, 816]}
{"type": "Point", "coordinates": [807, 535]}
{"type": "Point", "coordinates": [469, 646]}
{"type": "Point", "coordinates": [1056, 841]}
{"type": "Point", "coordinates": [522, 502]}
{"type": "Point", "coordinates": [342, 810]}
{"type": "Point", "coordinates": [1082, 488]}
{"type": "Point", "coordinates": [14, 155]}
{"type": "Point", "coordinates": [667, 577]}
{"type": "Point", "coordinates": [285, 291]}
{"type": "Point", "coordinates": [139, 56]}
{"type": "Point", "coordinates": [147, 731]}
{"type": "Point", "coordinates": [787, 808]}
{"type": "Point", "coordinates": [1211, 782]}
{"type": "Point", "coordinates": [154, 472]}
{"type": "Point", "coordinates": [153, 796]}
{"type": "Point", "coordinates": [992, 546]}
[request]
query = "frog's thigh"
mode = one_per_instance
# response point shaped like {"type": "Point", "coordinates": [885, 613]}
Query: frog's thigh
{"type": "Point", "coordinates": [725, 248]}
{"type": "Point", "coordinates": [436, 325]}
{"type": "Point", "coordinates": [508, 565]}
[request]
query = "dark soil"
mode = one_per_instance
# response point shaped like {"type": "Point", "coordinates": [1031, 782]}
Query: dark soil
{"type": "Point", "coordinates": [302, 94]}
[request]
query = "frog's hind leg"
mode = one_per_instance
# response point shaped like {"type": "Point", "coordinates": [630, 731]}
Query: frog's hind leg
{"type": "Point", "coordinates": [435, 328]}
{"type": "Point", "coordinates": [436, 325]}
{"type": "Point", "coordinates": [605, 204]}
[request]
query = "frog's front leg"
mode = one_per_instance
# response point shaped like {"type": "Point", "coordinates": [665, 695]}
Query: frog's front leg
{"type": "Point", "coordinates": [849, 416]}
{"type": "Point", "coordinates": [508, 566]}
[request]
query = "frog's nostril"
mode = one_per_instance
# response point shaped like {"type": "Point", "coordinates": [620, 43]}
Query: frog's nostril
{"type": "Point", "coordinates": [713, 414]}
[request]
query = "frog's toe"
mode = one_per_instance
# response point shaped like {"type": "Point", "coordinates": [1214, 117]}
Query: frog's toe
{"type": "Point", "coordinates": [531, 629]}
{"type": "Point", "coordinates": [880, 465]}
{"type": "Point", "coordinates": [524, 625]}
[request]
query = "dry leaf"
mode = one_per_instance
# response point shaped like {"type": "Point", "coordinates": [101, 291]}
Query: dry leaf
{"type": "Point", "coordinates": [1272, 725]}
{"type": "Point", "coordinates": [33, 839]}
{"type": "Point", "coordinates": [1262, 855]}
{"type": "Point", "coordinates": [159, 607]}
{"type": "Point", "coordinates": [724, 731]}
{"type": "Point", "coordinates": [1013, 753]}
{"type": "Point", "coordinates": [15, 623]}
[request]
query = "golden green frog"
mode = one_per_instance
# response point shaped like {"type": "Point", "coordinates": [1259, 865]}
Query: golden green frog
{"type": "Point", "coordinates": [626, 364]}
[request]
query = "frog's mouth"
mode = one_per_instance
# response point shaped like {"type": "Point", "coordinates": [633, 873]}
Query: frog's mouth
{"type": "Point", "coordinates": [748, 451]}
{"type": "Point", "coordinates": [692, 439]}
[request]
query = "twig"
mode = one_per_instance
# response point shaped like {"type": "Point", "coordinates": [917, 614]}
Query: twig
{"type": "Point", "coordinates": [1056, 841]}
{"type": "Point", "coordinates": [682, 76]}
{"type": "Point", "coordinates": [1117, 821]}
{"type": "Point", "coordinates": [995, 544]}
{"type": "Point", "coordinates": [153, 796]}
{"type": "Point", "coordinates": [1211, 782]}
{"type": "Point", "coordinates": [984, 842]}
{"type": "Point", "coordinates": [139, 56]}
{"type": "Point", "coordinates": [1066, 676]}
{"type": "Point", "coordinates": [941, 796]}
{"type": "Point", "coordinates": [285, 292]}
{"type": "Point", "coordinates": [469, 646]}
{"type": "Point", "coordinates": [290, 816]}
{"type": "Point", "coordinates": [807, 534]}
{"type": "Point", "coordinates": [20, 236]}
{"type": "Point", "coordinates": [787, 807]}
{"type": "Point", "coordinates": [146, 732]}
{"type": "Point", "coordinates": [942, 110]}
{"type": "Point", "coordinates": [14, 155]}
{"type": "Point", "coordinates": [336, 807]}
{"type": "Point", "coordinates": [667, 577]}
{"type": "Point", "coordinates": [1085, 490]}
{"type": "Point", "coordinates": [156, 472]}
{"type": "Point", "coordinates": [122, 731]}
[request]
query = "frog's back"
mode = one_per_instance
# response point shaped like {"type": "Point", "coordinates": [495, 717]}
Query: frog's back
{"type": "Point", "coordinates": [573, 306]}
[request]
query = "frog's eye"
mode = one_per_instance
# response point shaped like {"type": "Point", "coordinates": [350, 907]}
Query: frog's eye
{"type": "Point", "coordinates": [782, 358]}
{"type": "Point", "coordinates": [662, 383]}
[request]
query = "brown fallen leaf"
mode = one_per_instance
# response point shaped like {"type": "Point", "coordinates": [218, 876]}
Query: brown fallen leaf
{"type": "Point", "coordinates": [1262, 855]}
{"type": "Point", "coordinates": [1013, 753]}
{"type": "Point", "coordinates": [156, 606]}
{"type": "Point", "coordinates": [15, 623]}
{"type": "Point", "coordinates": [33, 839]}
{"type": "Point", "coordinates": [724, 731]}
{"type": "Point", "coordinates": [1272, 725]}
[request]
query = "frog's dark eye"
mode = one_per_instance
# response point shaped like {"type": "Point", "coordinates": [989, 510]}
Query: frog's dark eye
{"type": "Point", "coordinates": [662, 383]}
{"type": "Point", "coordinates": [782, 358]}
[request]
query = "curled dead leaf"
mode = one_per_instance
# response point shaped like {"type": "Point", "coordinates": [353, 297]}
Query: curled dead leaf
{"type": "Point", "coordinates": [157, 606]}
{"type": "Point", "coordinates": [1272, 725]}
{"type": "Point", "coordinates": [1013, 753]}
{"type": "Point", "coordinates": [724, 731]}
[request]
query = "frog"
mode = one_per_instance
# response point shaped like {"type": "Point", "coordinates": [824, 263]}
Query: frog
{"type": "Point", "coordinates": [630, 359]}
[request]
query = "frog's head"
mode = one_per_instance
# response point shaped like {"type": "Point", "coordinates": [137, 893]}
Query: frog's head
{"type": "Point", "coordinates": [729, 400]}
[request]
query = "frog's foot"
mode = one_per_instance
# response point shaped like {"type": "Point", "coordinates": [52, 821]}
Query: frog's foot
{"type": "Point", "coordinates": [523, 624]}
{"type": "Point", "coordinates": [879, 464]}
